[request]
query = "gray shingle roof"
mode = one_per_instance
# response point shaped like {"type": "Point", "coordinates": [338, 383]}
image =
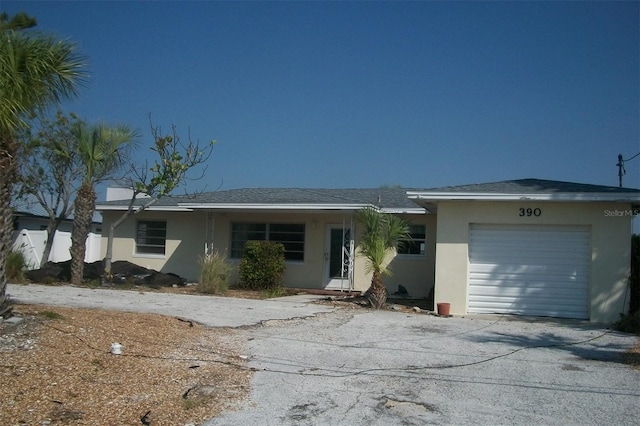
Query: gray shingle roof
{"type": "Point", "coordinates": [529, 186]}
{"type": "Point", "coordinates": [387, 198]}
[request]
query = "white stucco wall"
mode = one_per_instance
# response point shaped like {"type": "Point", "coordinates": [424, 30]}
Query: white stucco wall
{"type": "Point", "coordinates": [187, 238]}
{"type": "Point", "coordinates": [610, 245]}
{"type": "Point", "coordinates": [185, 241]}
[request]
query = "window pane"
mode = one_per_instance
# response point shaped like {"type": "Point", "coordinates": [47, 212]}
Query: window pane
{"type": "Point", "coordinates": [291, 236]}
{"type": "Point", "coordinates": [243, 232]}
{"type": "Point", "coordinates": [151, 237]}
{"type": "Point", "coordinates": [416, 245]}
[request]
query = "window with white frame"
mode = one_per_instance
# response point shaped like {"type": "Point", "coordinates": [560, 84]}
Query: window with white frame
{"type": "Point", "coordinates": [151, 237]}
{"type": "Point", "coordinates": [291, 236]}
{"type": "Point", "coordinates": [416, 245]}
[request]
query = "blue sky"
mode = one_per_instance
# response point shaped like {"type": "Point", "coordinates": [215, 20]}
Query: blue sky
{"type": "Point", "coordinates": [363, 94]}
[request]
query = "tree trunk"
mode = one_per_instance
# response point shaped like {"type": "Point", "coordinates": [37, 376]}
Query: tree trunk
{"type": "Point", "coordinates": [109, 254]}
{"type": "Point", "coordinates": [84, 207]}
{"type": "Point", "coordinates": [52, 227]}
{"type": "Point", "coordinates": [108, 257]}
{"type": "Point", "coordinates": [8, 166]}
{"type": "Point", "coordinates": [377, 293]}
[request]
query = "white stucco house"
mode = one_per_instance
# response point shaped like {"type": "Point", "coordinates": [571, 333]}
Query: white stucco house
{"type": "Point", "coordinates": [530, 247]}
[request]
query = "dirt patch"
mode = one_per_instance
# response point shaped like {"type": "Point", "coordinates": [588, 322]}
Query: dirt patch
{"type": "Point", "coordinates": [393, 304]}
{"type": "Point", "coordinates": [57, 367]}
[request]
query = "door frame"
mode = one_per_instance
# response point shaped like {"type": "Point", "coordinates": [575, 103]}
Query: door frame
{"type": "Point", "coordinates": [345, 282]}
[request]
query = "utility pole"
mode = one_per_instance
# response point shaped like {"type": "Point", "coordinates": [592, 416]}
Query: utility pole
{"type": "Point", "coordinates": [621, 170]}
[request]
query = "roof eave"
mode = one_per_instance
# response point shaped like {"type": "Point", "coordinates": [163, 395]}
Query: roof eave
{"type": "Point", "coordinates": [403, 210]}
{"type": "Point", "coordinates": [271, 206]}
{"type": "Point", "coordinates": [562, 196]}
{"type": "Point", "coordinates": [150, 208]}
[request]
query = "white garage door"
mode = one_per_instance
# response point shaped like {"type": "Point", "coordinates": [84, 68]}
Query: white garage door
{"type": "Point", "coordinates": [529, 270]}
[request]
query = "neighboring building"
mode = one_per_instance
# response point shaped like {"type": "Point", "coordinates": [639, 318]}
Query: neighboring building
{"type": "Point", "coordinates": [30, 237]}
{"type": "Point", "coordinates": [37, 220]}
{"type": "Point", "coordinates": [528, 246]}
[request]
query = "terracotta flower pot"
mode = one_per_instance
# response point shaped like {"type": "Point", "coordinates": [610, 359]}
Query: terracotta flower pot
{"type": "Point", "coordinates": [443, 309]}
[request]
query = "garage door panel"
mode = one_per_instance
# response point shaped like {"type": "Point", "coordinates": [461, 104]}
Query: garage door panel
{"type": "Point", "coordinates": [553, 267]}
{"type": "Point", "coordinates": [480, 288]}
{"type": "Point", "coordinates": [529, 270]}
{"type": "Point", "coordinates": [542, 309]}
{"type": "Point", "coordinates": [512, 294]}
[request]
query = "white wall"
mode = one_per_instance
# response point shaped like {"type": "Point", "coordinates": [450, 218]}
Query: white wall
{"type": "Point", "coordinates": [32, 243]}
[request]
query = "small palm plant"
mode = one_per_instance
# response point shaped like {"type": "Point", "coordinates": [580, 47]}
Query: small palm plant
{"type": "Point", "coordinates": [382, 234]}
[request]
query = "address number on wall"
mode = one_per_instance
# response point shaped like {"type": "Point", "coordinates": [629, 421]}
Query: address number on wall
{"type": "Point", "coordinates": [529, 212]}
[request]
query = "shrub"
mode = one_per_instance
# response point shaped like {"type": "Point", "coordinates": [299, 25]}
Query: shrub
{"type": "Point", "coordinates": [15, 266]}
{"type": "Point", "coordinates": [214, 273]}
{"type": "Point", "coordinates": [262, 265]}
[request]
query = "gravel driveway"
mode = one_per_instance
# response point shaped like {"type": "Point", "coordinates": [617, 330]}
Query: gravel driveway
{"type": "Point", "coordinates": [357, 367]}
{"type": "Point", "coordinates": [389, 368]}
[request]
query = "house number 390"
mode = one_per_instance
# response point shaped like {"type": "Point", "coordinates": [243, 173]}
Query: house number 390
{"type": "Point", "coordinates": [529, 212]}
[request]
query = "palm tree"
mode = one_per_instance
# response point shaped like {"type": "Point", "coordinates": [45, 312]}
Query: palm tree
{"type": "Point", "coordinates": [101, 151]}
{"type": "Point", "coordinates": [382, 234]}
{"type": "Point", "coordinates": [36, 71]}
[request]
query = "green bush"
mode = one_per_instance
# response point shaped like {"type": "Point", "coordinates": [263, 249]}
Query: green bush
{"type": "Point", "coordinates": [262, 265]}
{"type": "Point", "coordinates": [214, 273]}
{"type": "Point", "coordinates": [15, 266]}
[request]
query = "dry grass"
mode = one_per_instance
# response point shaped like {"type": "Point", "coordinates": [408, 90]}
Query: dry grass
{"type": "Point", "coordinates": [56, 368]}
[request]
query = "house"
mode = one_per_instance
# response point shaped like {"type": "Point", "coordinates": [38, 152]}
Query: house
{"type": "Point", "coordinates": [316, 227]}
{"type": "Point", "coordinates": [531, 247]}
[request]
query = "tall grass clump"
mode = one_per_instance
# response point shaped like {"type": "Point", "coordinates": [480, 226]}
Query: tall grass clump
{"type": "Point", "coordinates": [15, 266]}
{"type": "Point", "coordinates": [214, 273]}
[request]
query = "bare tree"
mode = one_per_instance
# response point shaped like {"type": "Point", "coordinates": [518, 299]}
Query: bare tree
{"type": "Point", "coordinates": [49, 175]}
{"type": "Point", "coordinates": [174, 160]}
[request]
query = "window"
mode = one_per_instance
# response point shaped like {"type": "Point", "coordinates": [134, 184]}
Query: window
{"type": "Point", "coordinates": [151, 237]}
{"type": "Point", "coordinates": [416, 246]}
{"type": "Point", "coordinates": [290, 235]}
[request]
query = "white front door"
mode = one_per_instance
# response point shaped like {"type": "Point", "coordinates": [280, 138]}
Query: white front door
{"type": "Point", "coordinates": [338, 257]}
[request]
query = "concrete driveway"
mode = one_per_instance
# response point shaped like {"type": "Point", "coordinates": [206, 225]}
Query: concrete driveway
{"type": "Point", "coordinates": [356, 367]}
{"type": "Point", "coordinates": [208, 310]}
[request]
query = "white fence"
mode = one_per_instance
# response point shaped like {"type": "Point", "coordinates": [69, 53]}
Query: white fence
{"type": "Point", "coordinates": [31, 243]}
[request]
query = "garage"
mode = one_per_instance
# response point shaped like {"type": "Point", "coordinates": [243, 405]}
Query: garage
{"type": "Point", "coordinates": [533, 247]}
{"type": "Point", "coordinates": [529, 270]}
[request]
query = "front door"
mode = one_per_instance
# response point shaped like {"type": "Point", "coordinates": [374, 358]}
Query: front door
{"type": "Point", "coordinates": [338, 257]}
